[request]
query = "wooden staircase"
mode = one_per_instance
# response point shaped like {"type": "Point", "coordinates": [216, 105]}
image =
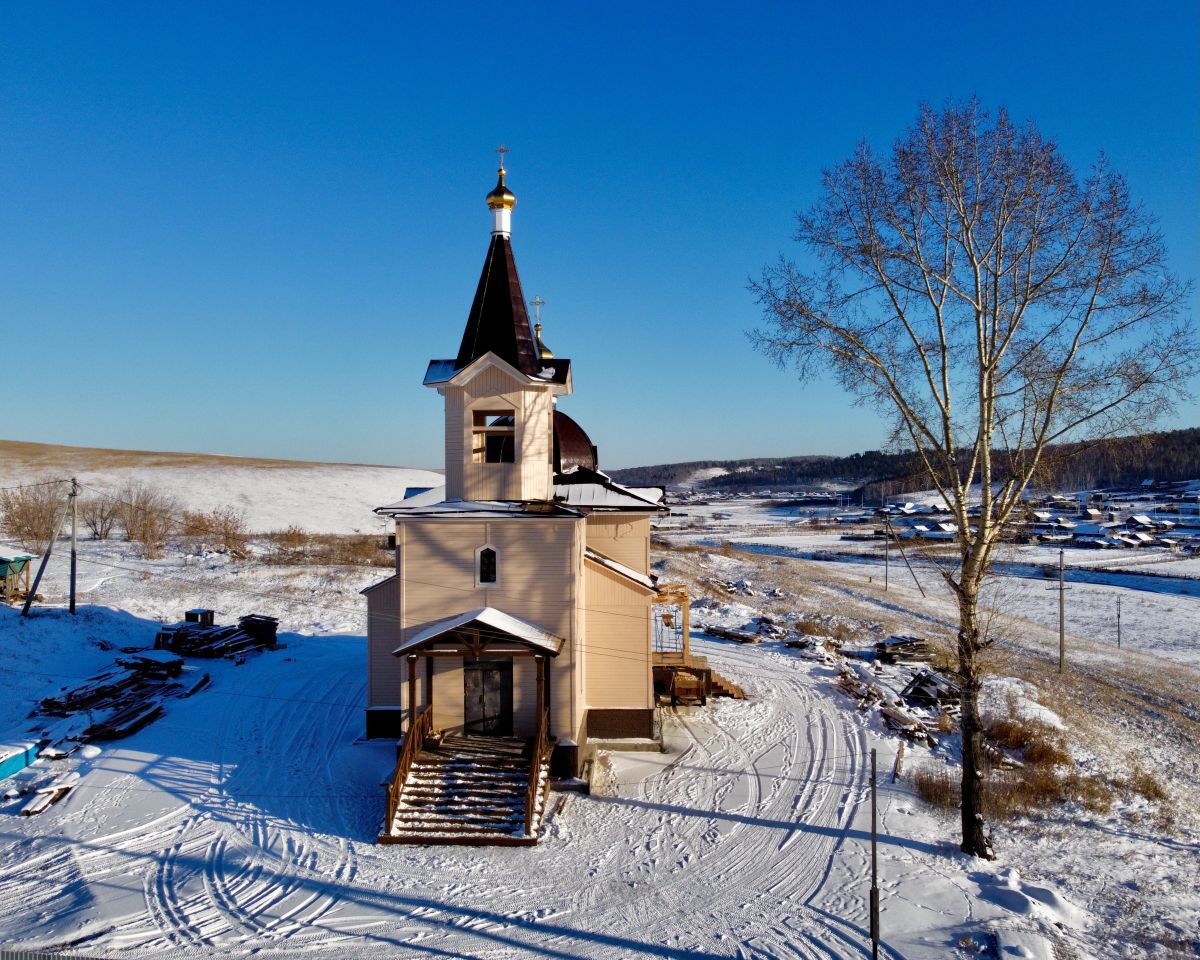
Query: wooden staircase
{"type": "Point", "coordinates": [725, 688]}
{"type": "Point", "coordinates": [469, 790]}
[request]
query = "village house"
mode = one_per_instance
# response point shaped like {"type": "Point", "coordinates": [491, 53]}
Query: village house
{"type": "Point", "coordinates": [521, 605]}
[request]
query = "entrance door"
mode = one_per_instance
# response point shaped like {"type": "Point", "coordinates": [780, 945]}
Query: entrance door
{"type": "Point", "coordinates": [488, 697]}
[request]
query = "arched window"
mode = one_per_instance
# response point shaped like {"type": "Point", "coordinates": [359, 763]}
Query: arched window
{"type": "Point", "coordinates": [486, 572]}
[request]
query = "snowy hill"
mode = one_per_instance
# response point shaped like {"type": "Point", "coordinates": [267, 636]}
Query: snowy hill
{"type": "Point", "coordinates": [273, 494]}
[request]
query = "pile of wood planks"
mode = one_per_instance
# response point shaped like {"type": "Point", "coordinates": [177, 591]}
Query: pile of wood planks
{"type": "Point", "coordinates": [897, 648]}
{"type": "Point", "coordinates": [197, 638]}
{"type": "Point", "coordinates": [858, 683]}
{"type": "Point", "coordinates": [45, 797]}
{"type": "Point", "coordinates": [120, 702]}
{"type": "Point", "coordinates": [738, 636]}
{"type": "Point", "coordinates": [928, 688]}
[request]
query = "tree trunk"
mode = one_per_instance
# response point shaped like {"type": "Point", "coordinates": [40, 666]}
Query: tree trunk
{"type": "Point", "coordinates": [974, 840]}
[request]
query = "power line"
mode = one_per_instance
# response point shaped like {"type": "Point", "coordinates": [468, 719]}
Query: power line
{"type": "Point", "coordinates": [228, 693]}
{"type": "Point", "coordinates": [404, 579]}
{"type": "Point", "coordinates": [612, 652]}
{"type": "Point", "coordinates": [29, 486]}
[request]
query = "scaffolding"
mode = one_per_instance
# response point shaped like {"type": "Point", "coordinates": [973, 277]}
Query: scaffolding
{"type": "Point", "coordinates": [672, 624]}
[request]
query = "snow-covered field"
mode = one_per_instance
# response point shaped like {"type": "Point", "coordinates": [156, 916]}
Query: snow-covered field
{"type": "Point", "coordinates": [271, 494]}
{"type": "Point", "coordinates": [242, 821]}
{"type": "Point", "coordinates": [1158, 590]}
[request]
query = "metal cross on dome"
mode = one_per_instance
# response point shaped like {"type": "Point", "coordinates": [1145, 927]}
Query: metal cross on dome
{"type": "Point", "coordinates": [502, 150]}
{"type": "Point", "coordinates": [538, 303]}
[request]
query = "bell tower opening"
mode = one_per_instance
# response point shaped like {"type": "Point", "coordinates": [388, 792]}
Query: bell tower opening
{"type": "Point", "coordinates": [493, 436]}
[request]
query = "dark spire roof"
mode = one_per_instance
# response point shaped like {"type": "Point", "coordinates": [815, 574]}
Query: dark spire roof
{"type": "Point", "coordinates": [498, 321]}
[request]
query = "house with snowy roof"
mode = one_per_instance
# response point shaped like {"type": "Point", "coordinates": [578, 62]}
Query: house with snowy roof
{"type": "Point", "coordinates": [520, 612]}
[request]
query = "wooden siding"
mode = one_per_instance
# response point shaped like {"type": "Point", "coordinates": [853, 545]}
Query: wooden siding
{"type": "Point", "coordinates": [623, 538]}
{"type": "Point", "coordinates": [539, 563]}
{"type": "Point", "coordinates": [456, 455]}
{"type": "Point", "coordinates": [617, 642]}
{"type": "Point", "coordinates": [384, 671]}
{"type": "Point", "coordinates": [448, 693]}
{"type": "Point", "coordinates": [530, 476]}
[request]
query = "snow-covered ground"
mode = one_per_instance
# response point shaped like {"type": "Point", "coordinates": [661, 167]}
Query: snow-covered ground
{"type": "Point", "coordinates": [271, 494]}
{"type": "Point", "coordinates": [242, 821]}
{"type": "Point", "coordinates": [1158, 590]}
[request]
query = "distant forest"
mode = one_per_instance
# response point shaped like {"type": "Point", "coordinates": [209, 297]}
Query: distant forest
{"type": "Point", "coordinates": [1172, 455]}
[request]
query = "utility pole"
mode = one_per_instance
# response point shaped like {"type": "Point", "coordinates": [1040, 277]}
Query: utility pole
{"type": "Point", "coordinates": [42, 566]}
{"type": "Point", "coordinates": [874, 870]}
{"type": "Point", "coordinates": [1062, 614]}
{"type": "Point", "coordinates": [74, 536]}
{"type": "Point", "coordinates": [1118, 623]}
{"type": "Point", "coordinates": [887, 536]}
{"type": "Point", "coordinates": [911, 571]}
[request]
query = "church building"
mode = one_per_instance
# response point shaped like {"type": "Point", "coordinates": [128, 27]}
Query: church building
{"type": "Point", "coordinates": [521, 604]}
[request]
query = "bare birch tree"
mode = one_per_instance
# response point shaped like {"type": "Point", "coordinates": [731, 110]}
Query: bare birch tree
{"type": "Point", "coordinates": [990, 303]}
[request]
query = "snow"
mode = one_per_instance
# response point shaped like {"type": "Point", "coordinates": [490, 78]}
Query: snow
{"type": "Point", "coordinates": [597, 557]}
{"type": "Point", "coordinates": [496, 619]}
{"type": "Point", "coordinates": [242, 821]}
{"type": "Point", "coordinates": [317, 497]}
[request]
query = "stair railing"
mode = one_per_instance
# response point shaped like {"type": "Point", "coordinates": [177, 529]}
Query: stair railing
{"type": "Point", "coordinates": [414, 740]}
{"type": "Point", "coordinates": [541, 749]}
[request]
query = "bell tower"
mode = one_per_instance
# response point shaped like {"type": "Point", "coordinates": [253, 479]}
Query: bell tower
{"type": "Point", "coordinates": [500, 389]}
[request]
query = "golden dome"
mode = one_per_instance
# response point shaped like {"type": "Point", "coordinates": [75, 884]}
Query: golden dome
{"type": "Point", "coordinates": [543, 350]}
{"type": "Point", "coordinates": [501, 197]}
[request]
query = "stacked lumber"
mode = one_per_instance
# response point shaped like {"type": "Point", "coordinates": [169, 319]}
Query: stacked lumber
{"type": "Point", "coordinates": [928, 688]}
{"type": "Point", "coordinates": [262, 628]}
{"type": "Point", "coordinates": [124, 719]}
{"type": "Point", "coordinates": [117, 703]}
{"type": "Point", "coordinates": [158, 664]}
{"type": "Point", "coordinates": [858, 683]}
{"type": "Point", "coordinates": [198, 636]}
{"type": "Point", "coordinates": [738, 636]}
{"type": "Point", "coordinates": [687, 686]}
{"type": "Point", "coordinates": [897, 648]}
{"type": "Point", "coordinates": [104, 687]}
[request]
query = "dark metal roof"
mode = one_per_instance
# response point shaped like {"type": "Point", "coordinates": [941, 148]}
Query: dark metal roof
{"type": "Point", "coordinates": [572, 446]}
{"type": "Point", "coordinates": [498, 321]}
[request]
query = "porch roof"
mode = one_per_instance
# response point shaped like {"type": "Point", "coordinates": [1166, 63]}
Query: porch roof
{"type": "Point", "coordinates": [496, 624]}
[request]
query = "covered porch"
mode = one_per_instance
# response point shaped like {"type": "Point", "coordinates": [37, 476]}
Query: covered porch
{"type": "Point", "coordinates": [481, 673]}
{"type": "Point", "coordinates": [474, 763]}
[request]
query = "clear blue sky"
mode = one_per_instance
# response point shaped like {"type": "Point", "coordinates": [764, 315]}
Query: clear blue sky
{"type": "Point", "coordinates": [245, 228]}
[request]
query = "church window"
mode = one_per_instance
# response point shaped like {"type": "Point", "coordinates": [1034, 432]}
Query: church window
{"type": "Point", "coordinates": [487, 565]}
{"type": "Point", "coordinates": [493, 436]}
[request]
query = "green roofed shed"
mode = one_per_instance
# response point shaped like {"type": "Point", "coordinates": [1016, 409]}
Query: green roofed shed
{"type": "Point", "coordinates": [12, 566]}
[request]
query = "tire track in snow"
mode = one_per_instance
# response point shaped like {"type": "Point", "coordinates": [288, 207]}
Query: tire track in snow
{"type": "Point", "coordinates": [251, 875]}
{"type": "Point", "coordinates": [719, 772]}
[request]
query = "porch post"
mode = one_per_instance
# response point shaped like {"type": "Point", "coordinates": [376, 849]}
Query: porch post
{"type": "Point", "coordinates": [412, 691]}
{"type": "Point", "coordinates": [541, 687]}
